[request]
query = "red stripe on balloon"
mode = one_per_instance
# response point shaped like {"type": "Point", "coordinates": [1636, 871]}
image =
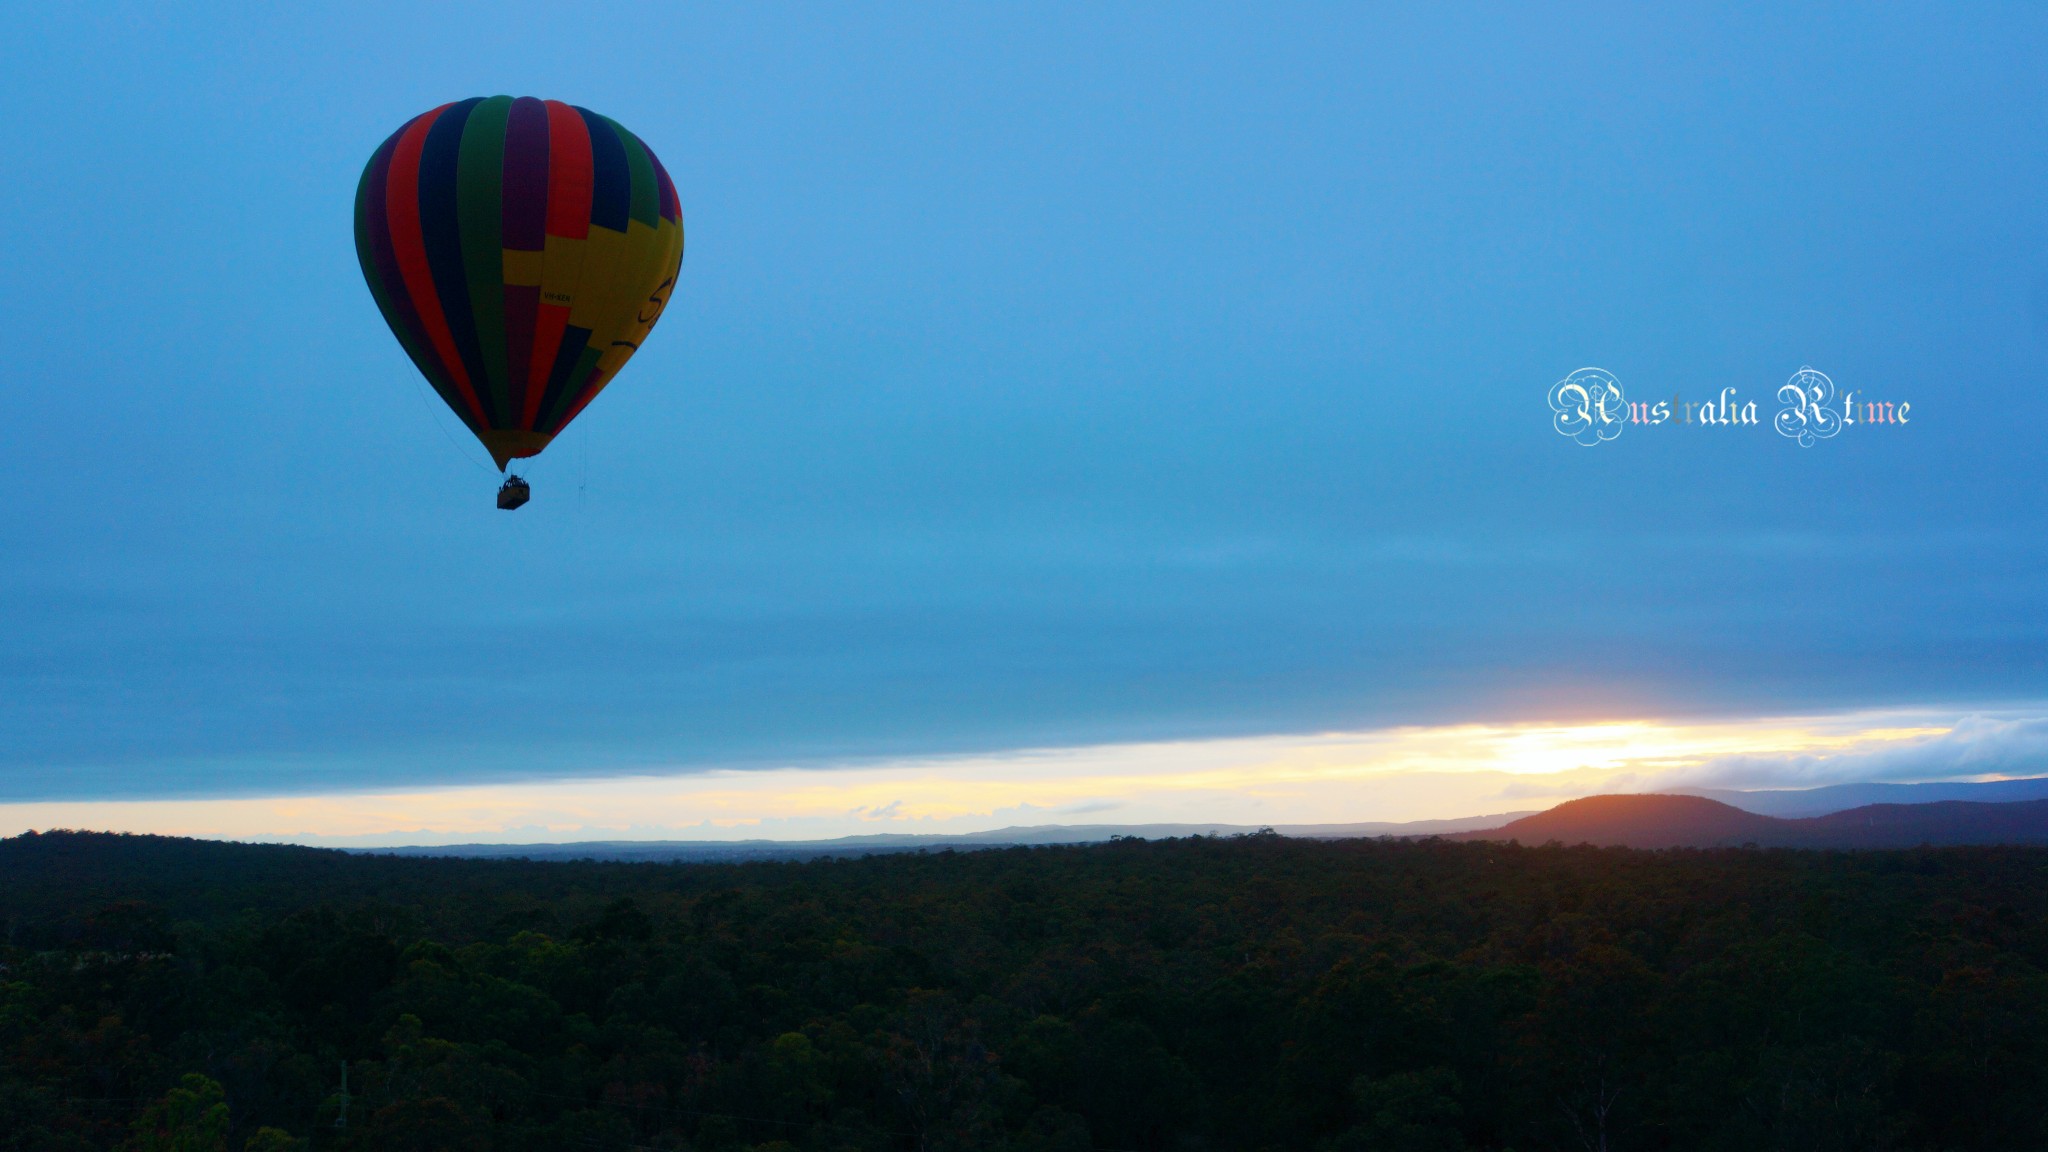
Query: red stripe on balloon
{"type": "Point", "coordinates": [402, 197]}
{"type": "Point", "coordinates": [384, 262]}
{"type": "Point", "coordinates": [549, 323]}
{"type": "Point", "coordinates": [568, 217]}
{"type": "Point", "coordinates": [570, 177]}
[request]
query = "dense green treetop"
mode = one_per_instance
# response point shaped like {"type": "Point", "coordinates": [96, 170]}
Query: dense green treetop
{"type": "Point", "coordinates": [1249, 993]}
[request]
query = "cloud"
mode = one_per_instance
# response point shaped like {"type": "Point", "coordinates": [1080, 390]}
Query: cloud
{"type": "Point", "coordinates": [1090, 807]}
{"type": "Point", "coordinates": [1553, 785]}
{"type": "Point", "coordinates": [1391, 774]}
{"type": "Point", "coordinates": [1975, 746]}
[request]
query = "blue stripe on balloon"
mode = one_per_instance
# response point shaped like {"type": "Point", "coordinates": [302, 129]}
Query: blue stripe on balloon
{"type": "Point", "coordinates": [612, 198]}
{"type": "Point", "coordinates": [441, 230]}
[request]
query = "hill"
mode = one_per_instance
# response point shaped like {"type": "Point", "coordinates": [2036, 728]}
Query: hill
{"type": "Point", "coordinates": [1666, 821]}
{"type": "Point", "coordinates": [1794, 803]}
{"type": "Point", "coordinates": [701, 851]}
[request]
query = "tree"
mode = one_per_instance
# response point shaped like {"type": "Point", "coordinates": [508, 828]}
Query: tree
{"type": "Point", "coordinates": [1405, 1112]}
{"type": "Point", "coordinates": [192, 1117]}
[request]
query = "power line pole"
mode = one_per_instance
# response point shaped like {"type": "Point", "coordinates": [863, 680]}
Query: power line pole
{"type": "Point", "coordinates": [341, 1121]}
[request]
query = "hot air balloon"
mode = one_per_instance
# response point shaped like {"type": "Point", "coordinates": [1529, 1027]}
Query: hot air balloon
{"type": "Point", "coordinates": [520, 250]}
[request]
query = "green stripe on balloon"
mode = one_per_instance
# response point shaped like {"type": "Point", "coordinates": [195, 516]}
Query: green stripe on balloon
{"type": "Point", "coordinates": [579, 383]}
{"type": "Point", "coordinates": [480, 176]}
{"type": "Point", "coordinates": [646, 193]}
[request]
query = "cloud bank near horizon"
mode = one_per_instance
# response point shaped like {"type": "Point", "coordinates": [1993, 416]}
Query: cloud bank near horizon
{"type": "Point", "coordinates": [1973, 747]}
{"type": "Point", "coordinates": [1396, 774]}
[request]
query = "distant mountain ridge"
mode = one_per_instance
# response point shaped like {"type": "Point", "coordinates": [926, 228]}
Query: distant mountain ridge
{"type": "Point", "coordinates": [711, 850]}
{"type": "Point", "coordinates": [1677, 821]}
{"type": "Point", "coordinates": [1796, 802]}
{"type": "Point", "coordinates": [1795, 805]}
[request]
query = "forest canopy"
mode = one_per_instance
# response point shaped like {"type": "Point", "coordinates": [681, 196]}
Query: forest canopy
{"type": "Point", "coordinates": [1247, 993]}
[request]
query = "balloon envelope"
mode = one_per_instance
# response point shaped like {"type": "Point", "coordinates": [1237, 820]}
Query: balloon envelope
{"type": "Point", "coordinates": [520, 250]}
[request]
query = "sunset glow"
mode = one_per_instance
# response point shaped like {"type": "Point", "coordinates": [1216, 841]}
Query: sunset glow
{"type": "Point", "coordinates": [1394, 774]}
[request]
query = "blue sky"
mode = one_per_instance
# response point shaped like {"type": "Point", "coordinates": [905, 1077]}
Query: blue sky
{"type": "Point", "coordinates": [1040, 376]}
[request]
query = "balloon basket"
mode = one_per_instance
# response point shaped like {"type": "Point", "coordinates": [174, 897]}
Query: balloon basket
{"type": "Point", "coordinates": [513, 493]}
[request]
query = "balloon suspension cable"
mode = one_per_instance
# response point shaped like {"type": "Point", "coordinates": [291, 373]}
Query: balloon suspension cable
{"type": "Point", "coordinates": [435, 416]}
